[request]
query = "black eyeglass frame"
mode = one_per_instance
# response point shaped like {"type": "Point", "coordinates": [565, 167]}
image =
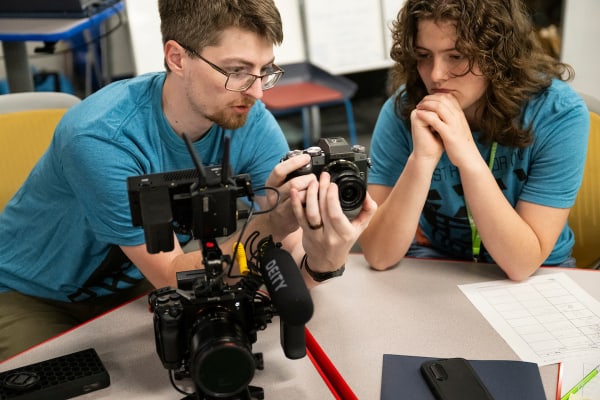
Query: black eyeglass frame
{"type": "Point", "coordinates": [278, 72]}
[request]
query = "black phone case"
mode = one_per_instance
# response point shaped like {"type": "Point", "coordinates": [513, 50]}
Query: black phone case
{"type": "Point", "coordinates": [454, 379]}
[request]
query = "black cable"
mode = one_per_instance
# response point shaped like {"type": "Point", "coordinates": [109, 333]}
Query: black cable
{"type": "Point", "coordinates": [276, 201]}
{"type": "Point", "coordinates": [175, 385]}
{"type": "Point", "coordinates": [251, 213]}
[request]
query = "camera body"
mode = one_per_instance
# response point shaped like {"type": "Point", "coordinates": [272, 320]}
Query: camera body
{"type": "Point", "coordinates": [348, 167]}
{"type": "Point", "coordinates": [204, 330]}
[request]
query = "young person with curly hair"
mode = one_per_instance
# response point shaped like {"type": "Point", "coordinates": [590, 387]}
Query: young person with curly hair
{"type": "Point", "coordinates": [479, 152]}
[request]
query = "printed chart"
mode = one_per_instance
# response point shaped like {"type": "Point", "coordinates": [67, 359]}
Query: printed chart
{"type": "Point", "coordinates": [546, 319]}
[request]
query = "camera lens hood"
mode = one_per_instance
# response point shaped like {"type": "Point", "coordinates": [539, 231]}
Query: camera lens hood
{"type": "Point", "coordinates": [221, 360]}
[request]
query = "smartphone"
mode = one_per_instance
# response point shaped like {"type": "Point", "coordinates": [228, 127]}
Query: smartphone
{"type": "Point", "coordinates": [454, 379]}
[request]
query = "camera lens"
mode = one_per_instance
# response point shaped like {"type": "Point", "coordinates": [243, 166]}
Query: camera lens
{"type": "Point", "coordinates": [351, 186]}
{"type": "Point", "coordinates": [221, 360]}
{"type": "Point", "coordinates": [352, 190]}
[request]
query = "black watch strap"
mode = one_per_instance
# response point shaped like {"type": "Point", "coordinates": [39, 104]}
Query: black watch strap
{"type": "Point", "coordinates": [322, 276]}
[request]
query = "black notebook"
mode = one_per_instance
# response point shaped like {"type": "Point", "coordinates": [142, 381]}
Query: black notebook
{"type": "Point", "coordinates": [504, 379]}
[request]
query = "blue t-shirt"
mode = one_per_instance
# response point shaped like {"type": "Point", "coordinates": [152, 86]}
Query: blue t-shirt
{"type": "Point", "coordinates": [59, 235]}
{"type": "Point", "coordinates": [548, 172]}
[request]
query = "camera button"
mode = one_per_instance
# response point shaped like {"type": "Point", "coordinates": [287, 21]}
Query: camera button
{"type": "Point", "coordinates": [314, 151]}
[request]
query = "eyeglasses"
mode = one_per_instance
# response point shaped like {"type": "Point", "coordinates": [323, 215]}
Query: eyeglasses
{"type": "Point", "coordinates": [241, 81]}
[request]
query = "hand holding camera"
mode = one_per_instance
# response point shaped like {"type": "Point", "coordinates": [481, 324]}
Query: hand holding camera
{"type": "Point", "coordinates": [347, 166]}
{"type": "Point", "coordinates": [332, 216]}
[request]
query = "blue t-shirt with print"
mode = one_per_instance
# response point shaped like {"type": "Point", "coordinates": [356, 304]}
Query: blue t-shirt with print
{"type": "Point", "coordinates": [59, 235]}
{"type": "Point", "coordinates": [548, 172]}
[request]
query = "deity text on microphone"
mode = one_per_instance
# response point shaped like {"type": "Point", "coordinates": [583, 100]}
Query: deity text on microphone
{"type": "Point", "coordinates": [275, 275]}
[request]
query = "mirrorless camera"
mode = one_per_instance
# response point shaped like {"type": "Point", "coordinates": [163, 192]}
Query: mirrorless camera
{"type": "Point", "coordinates": [347, 166]}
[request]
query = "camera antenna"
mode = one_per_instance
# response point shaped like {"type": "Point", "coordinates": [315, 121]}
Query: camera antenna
{"type": "Point", "coordinates": [225, 166]}
{"type": "Point", "coordinates": [202, 181]}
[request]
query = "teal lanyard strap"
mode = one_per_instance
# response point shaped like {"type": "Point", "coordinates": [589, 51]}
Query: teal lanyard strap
{"type": "Point", "coordinates": [475, 239]}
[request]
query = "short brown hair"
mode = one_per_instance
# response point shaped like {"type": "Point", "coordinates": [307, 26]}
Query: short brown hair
{"type": "Point", "coordinates": [199, 23]}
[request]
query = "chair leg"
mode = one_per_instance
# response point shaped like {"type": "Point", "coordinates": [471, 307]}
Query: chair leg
{"type": "Point", "coordinates": [351, 124]}
{"type": "Point", "coordinates": [306, 130]}
{"type": "Point", "coordinates": [315, 127]}
{"type": "Point", "coordinates": [311, 124]}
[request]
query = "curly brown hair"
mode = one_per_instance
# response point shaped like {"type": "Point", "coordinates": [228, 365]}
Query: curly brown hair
{"type": "Point", "coordinates": [199, 23]}
{"type": "Point", "coordinates": [499, 37]}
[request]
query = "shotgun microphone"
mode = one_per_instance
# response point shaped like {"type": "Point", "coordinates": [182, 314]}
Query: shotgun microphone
{"type": "Point", "coordinates": [285, 284]}
{"type": "Point", "coordinates": [289, 295]}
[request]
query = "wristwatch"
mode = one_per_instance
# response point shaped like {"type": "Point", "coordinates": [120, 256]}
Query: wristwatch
{"type": "Point", "coordinates": [322, 276]}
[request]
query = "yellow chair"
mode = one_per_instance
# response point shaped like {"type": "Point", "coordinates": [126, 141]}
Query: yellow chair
{"type": "Point", "coordinates": [584, 218]}
{"type": "Point", "coordinates": [25, 135]}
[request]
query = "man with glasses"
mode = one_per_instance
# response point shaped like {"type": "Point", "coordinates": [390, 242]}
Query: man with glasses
{"type": "Point", "coordinates": [68, 250]}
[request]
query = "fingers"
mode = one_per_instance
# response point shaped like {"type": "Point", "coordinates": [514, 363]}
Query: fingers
{"type": "Point", "coordinates": [279, 179]}
{"type": "Point", "coordinates": [299, 210]}
{"type": "Point", "coordinates": [439, 102]}
{"type": "Point", "coordinates": [313, 209]}
{"type": "Point", "coordinates": [283, 169]}
{"type": "Point", "coordinates": [369, 207]}
{"type": "Point", "coordinates": [445, 116]}
{"type": "Point", "coordinates": [321, 210]}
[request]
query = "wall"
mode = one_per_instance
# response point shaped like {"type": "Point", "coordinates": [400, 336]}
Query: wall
{"type": "Point", "coordinates": [146, 41]}
{"type": "Point", "coordinates": [341, 36]}
{"type": "Point", "coordinates": [581, 45]}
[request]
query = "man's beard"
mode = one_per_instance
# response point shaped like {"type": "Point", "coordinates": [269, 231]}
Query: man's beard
{"type": "Point", "coordinates": [228, 120]}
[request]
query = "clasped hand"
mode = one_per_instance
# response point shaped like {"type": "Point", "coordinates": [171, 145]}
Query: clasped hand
{"type": "Point", "coordinates": [439, 124]}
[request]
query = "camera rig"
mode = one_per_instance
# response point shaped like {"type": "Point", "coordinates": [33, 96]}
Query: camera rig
{"type": "Point", "coordinates": [204, 329]}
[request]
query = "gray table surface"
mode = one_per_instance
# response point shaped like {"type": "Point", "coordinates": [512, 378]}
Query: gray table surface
{"type": "Point", "coordinates": [414, 309]}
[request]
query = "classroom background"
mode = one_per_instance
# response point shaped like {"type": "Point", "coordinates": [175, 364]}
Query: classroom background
{"type": "Point", "coordinates": [349, 38]}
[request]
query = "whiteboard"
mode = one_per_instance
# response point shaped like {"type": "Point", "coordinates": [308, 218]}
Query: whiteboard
{"type": "Point", "coordinates": [146, 40]}
{"type": "Point", "coordinates": [580, 33]}
{"type": "Point", "coordinates": [292, 49]}
{"type": "Point", "coordinates": [345, 36]}
{"type": "Point", "coordinates": [390, 12]}
{"type": "Point", "coordinates": [341, 36]}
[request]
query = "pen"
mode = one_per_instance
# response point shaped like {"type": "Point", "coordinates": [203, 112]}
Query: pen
{"type": "Point", "coordinates": [581, 383]}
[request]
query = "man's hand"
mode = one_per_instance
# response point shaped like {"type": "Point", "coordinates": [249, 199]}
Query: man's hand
{"type": "Point", "coordinates": [328, 235]}
{"type": "Point", "coordinates": [282, 221]}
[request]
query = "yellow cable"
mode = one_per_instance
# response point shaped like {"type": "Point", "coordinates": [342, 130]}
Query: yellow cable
{"type": "Point", "coordinates": [241, 258]}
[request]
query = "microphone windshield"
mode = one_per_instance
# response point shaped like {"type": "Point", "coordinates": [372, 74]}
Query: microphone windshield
{"type": "Point", "coordinates": [285, 284]}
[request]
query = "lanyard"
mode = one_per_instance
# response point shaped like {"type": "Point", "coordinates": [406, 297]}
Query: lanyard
{"type": "Point", "coordinates": [475, 239]}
